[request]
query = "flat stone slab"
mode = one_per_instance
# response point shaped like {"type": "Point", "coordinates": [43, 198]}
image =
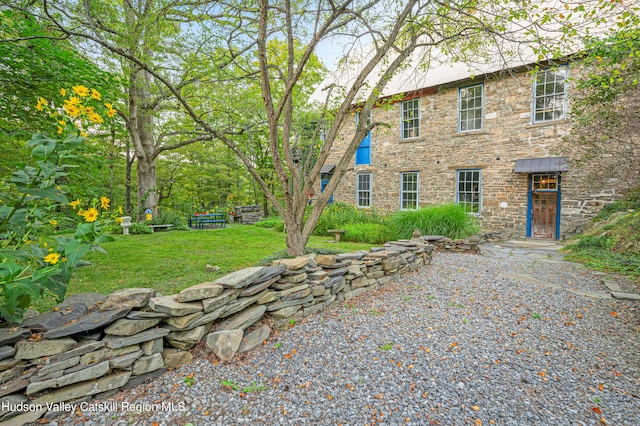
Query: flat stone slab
{"type": "Point", "coordinates": [125, 362]}
{"type": "Point", "coordinates": [12, 335]}
{"type": "Point", "coordinates": [255, 338]}
{"type": "Point", "coordinates": [129, 327]}
{"type": "Point", "coordinates": [293, 264]}
{"type": "Point", "coordinates": [625, 296]}
{"type": "Point", "coordinates": [188, 339]}
{"type": "Point", "coordinates": [243, 320]}
{"type": "Point", "coordinates": [152, 347]}
{"type": "Point", "coordinates": [79, 390]}
{"type": "Point", "coordinates": [89, 322]}
{"type": "Point", "coordinates": [13, 386]}
{"type": "Point", "coordinates": [175, 357]}
{"type": "Point", "coordinates": [356, 255]}
{"type": "Point", "coordinates": [169, 305]}
{"type": "Point", "coordinates": [90, 300]}
{"type": "Point", "coordinates": [89, 373]}
{"type": "Point", "coordinates": [205, 290]}
{"type": "Point", "coordinates": [280, 305]}
{"type": "Point", "coordinates": [115, 342]}
{"type": "Point", "coordinates": [128, 297]}
{"type": "Point", "coordinates": [138, 315]}
{"type": "Point", "coordinates": [6, 352]}
{"type": "Point", "coordinates": [535, 281]}
{"type": "Point", "coordinates": [57, 366]}
{"type": "Point", "coordinates": [325, 260]}
{"type": "Point", "coordinates": [257, 288]}
{"type": "Point", "coordinates": [105, 353]}
{"type": "Point", "coordinates": [212, 304]}
{"type": "Point", "coordinates": [32, 350]}
{"type": "Point", "coordinates": [285, 312]}
{"type": "Point", "coordinates": [80, 350]}
{"type": "Point", "coordinates": [183, 323]}
{"type": "Point", "coordinates": [148, 364]}
{"type": "Point", "coordinates": [225, 343]}
{"type": "Point", "coordinates": [55, 319]}
{"type": "Point", "coordinates": [241, 278]}
{"type": "Point", "coordinates": [268, 272]}
{"type": "Point", "coordinates": [241, 304]}
{"type": "Point", "coordinates": [337, 272]}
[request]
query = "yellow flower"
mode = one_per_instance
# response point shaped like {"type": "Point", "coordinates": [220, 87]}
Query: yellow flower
{"type": "Point", "coordinates": [110, 110]}
{"type": "Point", "coordinates": [95, 95]}
{"type": "Point", "coordinates": [63, 92]}
{"type": "Point", "coordinates": [52, 258]}
{"type": "Point", "coordinates": [53, 222]}
{"type": "Point", "coordinates": [81, 212]}
{"type": "Point", "coordinates": [60, 129]}
{"type": "Point", "coordinates": [120, 211]}
{"type": "Point", "coordinates": [74, 204]}
{"type": "Point", "coordinates": [42, 102]}
{"type": "Point", "coordinates": [104, 202]}
{"type": "Point", "coordinates": [81, 90]}
{"type": "Point", "coordinates": [95, 117]}
{"type": "Point", "coordinates": [73, 100]}
{"type": "Point", "coordinates": [91, 215]}
{"type": "Point", "coordinates": [44, 244]}
{"type": "Point", "coordinates": [71, 110]}
{"type": "Point", "coordinates": [84, 134]}
{"type": "Point", "coordinates": [119, 220]}
{"type": "Point", "coordinates": [62, 122]}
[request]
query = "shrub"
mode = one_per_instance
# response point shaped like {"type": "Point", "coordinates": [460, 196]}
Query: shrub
{"type": "Point", "coordinates": [271, 223]}
{"type": "Point", "coordinates": [449, 220]}
{"type": "Point", "coordinates": [169, 217]}
{"type": "Point", "coordinates": [374, 233]}
{"type": "Point", "coordinates": [140, 228]}
{"type": "Point", "coordinates": [338, 215]}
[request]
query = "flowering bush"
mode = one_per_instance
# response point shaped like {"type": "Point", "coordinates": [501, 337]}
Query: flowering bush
{"type": "Point", "coordinates": [30, 267]}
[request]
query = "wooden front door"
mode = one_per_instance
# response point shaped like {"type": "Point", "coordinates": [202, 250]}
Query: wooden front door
{"type": "Point", "coordinates": [543, 215]}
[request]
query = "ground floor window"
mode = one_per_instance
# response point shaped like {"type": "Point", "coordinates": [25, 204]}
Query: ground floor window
{"type": "Point", "coordinates": [468, 192]}
{"type": "Point", "coordinates": [409, 184]}
{"type": "Point", "coordinates": [363, 189]}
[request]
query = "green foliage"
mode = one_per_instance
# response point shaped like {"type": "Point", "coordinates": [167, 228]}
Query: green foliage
{"type": "Point", "coordinates": [169, 216]}
{"type": "Point", "coordinates": [630, 202]}
{"type": "Point", "coordinates": [140, 228]}
{"type": "Point", "coordinates": [254, 388]}
{"type": "Point", "coordinates": [282, 254]}
{"type": "Point", "coordinates": [387, 347]}
{"type": "Point", "coordinates": [272, 223]}
{"type": "Point", "coordinates": [449, 220]}
{"type": "Point", "coordinates": [32, 268]}
{"type": "Point", "coordinates": [337, 215]}
{"type": "Point", "coordinates": [230, 384]}
{"type": "Point", "coordinates": [373, 233]}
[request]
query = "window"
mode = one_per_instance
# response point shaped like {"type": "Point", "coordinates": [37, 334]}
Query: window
{"type": "Point", "coordinates": [409, 184]}
{"type": "Point", "coordinates": [468, 193]}
{"type": "Point", "coordinates": [363, 189]}
{"type": "Point", "coordinates": [545, 182]}
{"type": "Point", "coordinates": [470, 108]}
{"type": "Point", "coordinates": [550, 95]}
{"type": "Point", "coordinates": [410, 118]}
{"type": "Point", "coordinates": [363, 154]}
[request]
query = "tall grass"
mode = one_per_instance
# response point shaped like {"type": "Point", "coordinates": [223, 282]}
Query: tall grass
{"type": "Point", "coordinates": [373, 233]}
{"type": "Point", "coordinates": [449, 220]}
{"type": "Point", "coordinates": [338, 215]}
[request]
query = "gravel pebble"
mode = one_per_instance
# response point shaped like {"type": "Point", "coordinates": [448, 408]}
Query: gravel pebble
{"type": "Point", "coordinates": [453, 344]}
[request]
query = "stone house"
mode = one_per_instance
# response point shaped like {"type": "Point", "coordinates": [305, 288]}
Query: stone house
{"type": "Point", "coordinates": [492, 142]}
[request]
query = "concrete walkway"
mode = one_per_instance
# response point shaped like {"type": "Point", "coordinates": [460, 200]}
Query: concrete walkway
{"type": "Point", "coordinates": [530, 251]}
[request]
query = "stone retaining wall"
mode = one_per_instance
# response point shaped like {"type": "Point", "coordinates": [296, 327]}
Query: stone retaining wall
{"type": "Point", "coordinates": [92, 345]}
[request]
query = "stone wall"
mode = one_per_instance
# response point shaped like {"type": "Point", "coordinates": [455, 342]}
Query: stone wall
{"type": "Point", "coordinates": [92, 345]}
{"type": "Point", "coordinates": [507, 135]}
{"type": "Point", "coordinates": [248, 215]}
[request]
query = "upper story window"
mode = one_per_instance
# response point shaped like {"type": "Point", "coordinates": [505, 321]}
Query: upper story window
{"type": "Point", "coordinates": [410, 118]}
{"type": "Point", "coordinates": [470, 108]}
{"type": "Point", "coordinates": [409, 190]}
{"type": "Point", "coordinates": [469, 190]}
{"type": "Point", "coordinates": [363, 189]}
{"type": "Point", "coordinates": [550, 95]}
{"type": "Point", "coordinates": [363, 154]}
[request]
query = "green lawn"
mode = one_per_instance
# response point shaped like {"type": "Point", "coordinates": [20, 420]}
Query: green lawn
{"type": "Point", "coordinates": [172, 261]}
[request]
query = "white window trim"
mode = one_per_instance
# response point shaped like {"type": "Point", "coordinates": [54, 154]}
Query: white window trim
{"type": "Point", "coordinates": [358, 190]}
{"type": "Point", "coordinates": [565, 100]}
{"type": "Point", "coordinates": [481, 85]}
{"type": "Point", "coordinates": [402, 119]}
{"type": "Point", "coordinates": [417, 173]}
{"type": "Point", "coordinates": [479, 189]}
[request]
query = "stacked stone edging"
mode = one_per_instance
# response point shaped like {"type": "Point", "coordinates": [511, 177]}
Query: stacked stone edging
{"type": "Point", "coordinates": [92, 345]}
{"type": "Point", "coordinates": [466, 245]}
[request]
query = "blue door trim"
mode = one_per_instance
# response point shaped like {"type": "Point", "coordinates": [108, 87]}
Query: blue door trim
{"type": "Point", "coordinates": [323, 184]}
{"type": "Point", "coordinates": [530, 204]}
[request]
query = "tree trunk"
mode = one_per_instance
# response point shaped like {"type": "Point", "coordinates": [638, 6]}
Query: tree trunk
{"type": "Point", "coordinates": [127, 180]}
{"type": "Point", "coordinates": [296, 240]}
{"type": "Point", "coordinates": [147, 196]}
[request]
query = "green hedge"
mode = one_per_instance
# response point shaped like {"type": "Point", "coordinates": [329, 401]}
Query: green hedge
{"type": "Point", "coordinates": [449, 220]}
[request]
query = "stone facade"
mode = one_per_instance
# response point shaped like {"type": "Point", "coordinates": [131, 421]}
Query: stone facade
{"type": "Point", "coordinates": [440, 150]}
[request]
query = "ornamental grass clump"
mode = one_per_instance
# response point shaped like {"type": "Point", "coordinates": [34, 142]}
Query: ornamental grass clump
{"type": "Point", "coordinates": [33, 266]}
{"type": "Point", "coordinates": [449, 220]}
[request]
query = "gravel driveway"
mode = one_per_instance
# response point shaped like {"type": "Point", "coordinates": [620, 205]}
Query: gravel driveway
{"type": "Point", "coordinates": [461, 342]}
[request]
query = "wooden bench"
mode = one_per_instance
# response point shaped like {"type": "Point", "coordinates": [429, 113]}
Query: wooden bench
{"type": "Point", "coordinates": [337, 232]}
{"type": "Point", "coordinates": [216, 222]}
{"type": "Point", "coordinates": [153, 227]}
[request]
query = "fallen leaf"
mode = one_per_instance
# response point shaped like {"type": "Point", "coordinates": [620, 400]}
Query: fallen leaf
{"type": "Point", "coordinates": [287, 356]}
{"type": "Point", "coordinates": [379, 396]}
{"type": "Point", "coordinates": [597, 410]}
{"type": "Point", "coordinates": [613, 314]}
{"type": "Point", "coordinates": [329, 396]}
{"type": "Point", "coordinates": [293, 351]}
{"type": "Point", "coordinates": [475, 408]}
{"type": "Point", "coordinates": [478, 422]}
{"type": "Point", "coordinates": [601, 386]}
